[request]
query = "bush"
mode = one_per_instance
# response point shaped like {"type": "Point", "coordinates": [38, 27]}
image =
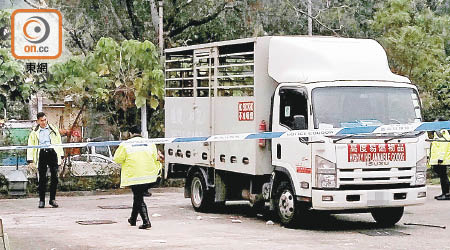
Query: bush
{"type": "Point", "coordinates": [3, 184]}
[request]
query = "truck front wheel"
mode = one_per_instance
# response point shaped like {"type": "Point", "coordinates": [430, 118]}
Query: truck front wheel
{"type": "Point", "coordinates": [288, 209]}
{"type": "Point", "coordinates": [201, 199]}
{"type": "Point", "coordinates": [387, 216]}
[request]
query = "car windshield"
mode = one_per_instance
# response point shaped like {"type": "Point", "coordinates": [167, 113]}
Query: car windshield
{"type": "Point", "coordinates": [103, 150]}
{"type": "Point", "coordinates": [364, 106]}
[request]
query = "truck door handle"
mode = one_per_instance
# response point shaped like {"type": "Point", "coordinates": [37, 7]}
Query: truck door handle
{"type": "Point", "coordinates": [278, 151]}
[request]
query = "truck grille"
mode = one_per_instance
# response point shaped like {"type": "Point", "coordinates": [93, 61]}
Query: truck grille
{"type": "Point", "coordinates": [375, 176]}
{"type": "Point", "coordinates": [374, 187]}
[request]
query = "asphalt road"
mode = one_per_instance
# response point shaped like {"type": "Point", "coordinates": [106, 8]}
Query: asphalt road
{"type": "Point", "coordinates": [177, 226]}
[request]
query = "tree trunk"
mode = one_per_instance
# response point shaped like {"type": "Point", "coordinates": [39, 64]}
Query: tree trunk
{"type": "Point", "coordinates": [155, 17]}
{"type": "Point", "coordinates": [134, 20]}
{"type": "Point", "coordinates": [69, 136]}
{"type": "Point", "coordinates": [117, 19]}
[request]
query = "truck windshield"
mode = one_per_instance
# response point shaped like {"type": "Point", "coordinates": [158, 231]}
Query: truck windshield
{"type": "Point", "coordinates": [364, 106]}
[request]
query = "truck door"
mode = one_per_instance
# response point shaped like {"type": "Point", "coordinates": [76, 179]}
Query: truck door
{"type": "Point", "coordinates": [292, 155]}
{"type": "Point", "coordinates": [204, 84]}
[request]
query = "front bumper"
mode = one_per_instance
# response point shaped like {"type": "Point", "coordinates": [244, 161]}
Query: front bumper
{"type": "Point", "coordinates": [348, 199]}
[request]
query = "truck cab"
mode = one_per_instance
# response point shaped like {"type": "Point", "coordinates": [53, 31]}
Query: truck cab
{"type": "Point", "coordinates": [377, 172]}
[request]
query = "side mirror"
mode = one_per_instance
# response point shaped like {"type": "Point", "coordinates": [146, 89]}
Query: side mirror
{"type": "Point", "coordinates": [299, 122]}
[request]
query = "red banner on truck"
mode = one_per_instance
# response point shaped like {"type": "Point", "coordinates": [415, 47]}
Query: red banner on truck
{"type": "Point", "coordinates": [246, 111]}
{"type": "Point", "coordinates": [376, 152]}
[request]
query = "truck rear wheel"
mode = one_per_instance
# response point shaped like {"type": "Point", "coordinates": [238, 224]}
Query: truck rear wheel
{"type": "Point", "coordinates": [288, 209]}
{"type": "Point", "coordinates": [201, 199]}
{"type": "Point", "coordinates": [387, 216]}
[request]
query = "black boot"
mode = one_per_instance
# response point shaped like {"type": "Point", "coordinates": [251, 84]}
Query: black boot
{"type": "Point", "coordinates": [443, 197]}
{"type": "Point", "coordinates": [144, 215]}
{"type": "Point", "coordinates": [132, 222]}
{"type": "Point", "coordinates": [53, 203]}
{"type": "Point", "coordinates": [437, 196]}
{"type": "Point", "coordinates": [134, 214]}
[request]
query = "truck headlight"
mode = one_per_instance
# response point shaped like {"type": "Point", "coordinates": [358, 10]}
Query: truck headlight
{"type": "Point", "coordinates": [421, 165]}
{"type": "Point", "coordinates": [326, 180]}
{"type": "Point", "coordinates": [421, 178]}
{"type": "Point", "coordinates": [421, 168]}
{"type": "Point", "coordinates": [325, 173]}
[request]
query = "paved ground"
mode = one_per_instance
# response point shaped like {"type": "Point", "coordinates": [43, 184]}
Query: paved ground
{"type": "Point", "coordinates": [177, 226]}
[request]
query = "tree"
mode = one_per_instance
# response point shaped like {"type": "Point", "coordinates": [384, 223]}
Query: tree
{"type": "Point", "coordinates": [86, 21]}
{"type": "Point", "coordinates": [415, 40]}
{"type": "Point", "coordinates": [413, 32]}
{"type": "Point", "coordinates": [5, 32]}
{"type": "Point", "coordinates": [115, 76]}
{"type": "Point", "coordinates": [11, 77]}
{"type": "Point", "coordinates": [16, 86]}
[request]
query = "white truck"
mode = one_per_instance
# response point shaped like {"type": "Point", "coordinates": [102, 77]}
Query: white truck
{"type": "Point", "coordinates": [278, 84]}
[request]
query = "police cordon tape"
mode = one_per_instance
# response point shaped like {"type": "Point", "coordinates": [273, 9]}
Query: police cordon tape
{"type": "Point", "coordinates": [398, 129]}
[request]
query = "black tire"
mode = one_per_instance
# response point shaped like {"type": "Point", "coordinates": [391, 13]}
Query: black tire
{"type": "Point", "coordinates": [286, 206]}
{"type": "Point", "coordinates": [201, 198]}
{"type": "Point", "coordinates": [387, 217]}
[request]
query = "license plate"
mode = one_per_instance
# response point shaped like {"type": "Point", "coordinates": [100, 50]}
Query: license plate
{"type": "Point", "coordinates": [375, 199]}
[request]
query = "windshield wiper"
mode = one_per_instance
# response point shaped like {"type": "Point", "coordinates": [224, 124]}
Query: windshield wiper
{"type": "Point", "coordinates": [342, 138]}
{"type": "Point", "coordinates": [402, 134]}
{"type": "Point", "coordinates": [302, 140]}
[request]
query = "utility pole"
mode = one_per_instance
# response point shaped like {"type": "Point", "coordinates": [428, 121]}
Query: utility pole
{"type": "Point", "coordinates": [160, 35]}
{"type": "Point", "coordinates": [161, 49]}
{"type": "Point", "coordinates": [309, 18]}
{"type": "Point", "coordinates": [144, 131]}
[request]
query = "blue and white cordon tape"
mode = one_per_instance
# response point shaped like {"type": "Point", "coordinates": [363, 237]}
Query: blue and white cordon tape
{"type": "Point", "coordinates": [384, 129]}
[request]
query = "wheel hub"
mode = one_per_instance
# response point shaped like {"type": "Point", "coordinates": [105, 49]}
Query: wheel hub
{"type": "Point", "coordinates": [286, 204]}
{"type": "Point", "coordinates": [197, 192]}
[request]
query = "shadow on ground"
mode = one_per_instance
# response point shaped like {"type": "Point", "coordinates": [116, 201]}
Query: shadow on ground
{"type": "Point", "coordinates": [317, 221]}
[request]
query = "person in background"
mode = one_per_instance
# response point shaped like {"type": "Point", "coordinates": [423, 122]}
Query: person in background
{"type": "Point", "coordinates": [140, 167]}
{"type": "Point", "coordinates": [440, 159]}
{"type": "Point", "coordinates": [45, 134]}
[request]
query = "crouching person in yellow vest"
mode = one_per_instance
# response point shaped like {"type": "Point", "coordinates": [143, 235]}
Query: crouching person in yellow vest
{"type": "Point", "coordinates": [140, 167]}
{"type": "Point", "coordinates": [440, 159]}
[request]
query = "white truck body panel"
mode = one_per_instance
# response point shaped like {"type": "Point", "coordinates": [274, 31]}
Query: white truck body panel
{"type": "Point", "coordinates": [191, 116]}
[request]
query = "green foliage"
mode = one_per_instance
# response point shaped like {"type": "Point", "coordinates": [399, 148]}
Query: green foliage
{"type": "Point", "coordinates": [5, 33]}
{"type": "Point", "coordinates": [113, 77]}
{"type": "Point", "coordinates": [437, 102]}
{"type": "Point", "coordinates": [11, 70]}
{"type": "Point", "coordinates": [3, 180]}
{"type": "Point", "coordinates": [132, 66]}
{"type": "Point", "coordinates": [16, 87]}
{"type": "Point", "coordinates": [129, 73]}
{"type": "Point", "coordinates": [87, 21]}
{"type": "Point", "coordinates": [415, 38]}
{"type": "Point", "coordinates": [193, 22]}
{"type": "Point", "coordinates": [114, 74]}
{"type": "Point", "coordinates": [11, 78]}
{"type": "Point", "coordinates": [3, 185]}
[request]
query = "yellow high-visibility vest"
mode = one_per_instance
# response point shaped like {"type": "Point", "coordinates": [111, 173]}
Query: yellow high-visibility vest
{"type": "Point", "coordinates": [33, 140]}
{"type": "Point", "coordinates": [440, 150]}
{"type": "Point", "coordinates": [139, 162]}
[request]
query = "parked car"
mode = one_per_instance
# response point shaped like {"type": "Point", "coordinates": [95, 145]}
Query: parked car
{"type": "Point", "coordinates": [93, 161]}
